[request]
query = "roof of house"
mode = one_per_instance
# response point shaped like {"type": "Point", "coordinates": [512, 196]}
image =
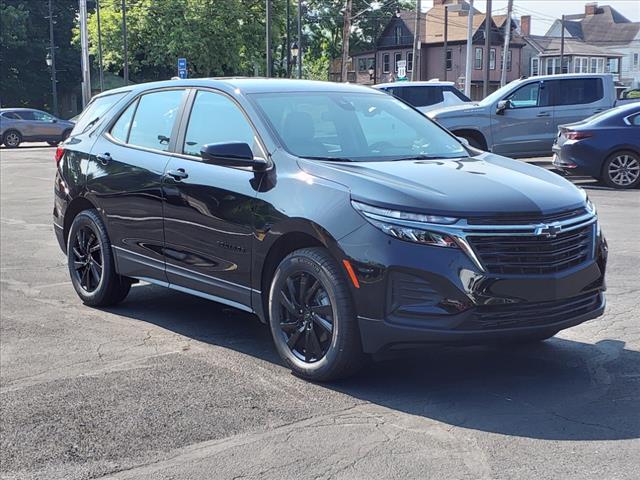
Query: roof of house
{"type": "Point", "coordinates": [548, 46]}
{"type": "Point", "coordinates": [606, 27]}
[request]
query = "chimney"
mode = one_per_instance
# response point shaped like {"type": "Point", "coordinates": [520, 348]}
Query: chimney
{"type": "Point", "coordinates": [525, 25]}
{"type": "Point", "coordinates": [591, 8]}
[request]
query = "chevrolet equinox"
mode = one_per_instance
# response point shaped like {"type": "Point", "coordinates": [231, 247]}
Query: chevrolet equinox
{"type": "Point", "coordinates": [342, 217]}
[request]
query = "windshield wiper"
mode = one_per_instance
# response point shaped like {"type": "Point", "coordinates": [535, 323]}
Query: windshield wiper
{"type": "Point", "coordinates": [425, 157]}
{"type": "Point", "coordinates": [329, 159]}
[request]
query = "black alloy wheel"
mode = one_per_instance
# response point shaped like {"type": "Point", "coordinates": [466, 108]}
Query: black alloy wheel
{"type": "Point", "coordinates": [91, 263]}
{"type": "Point", "coordinates": [312, 317]}
{"type": "Point", "coordinates": [87, 259]}
{"type": "Point", "coordinates": [307, 320]}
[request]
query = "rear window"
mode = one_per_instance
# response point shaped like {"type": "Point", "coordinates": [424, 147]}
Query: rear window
{"type": "Point", "coordinates": [577, 91]}
{"type": "Point", "coordinates": [95, 111]}
{"type": "Point", "coordinates": [419, 96]}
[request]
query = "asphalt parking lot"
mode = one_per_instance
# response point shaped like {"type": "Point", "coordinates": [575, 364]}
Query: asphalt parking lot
{"type": "Point", "coordinates": [167, 386]}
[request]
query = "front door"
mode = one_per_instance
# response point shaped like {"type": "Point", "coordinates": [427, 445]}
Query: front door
{"type": "Point", "coordinates": [526, 127]}
{"type": "Point", "coordinates": [208, 214]}
{"type": "Point", "coordinates": [125, 181]}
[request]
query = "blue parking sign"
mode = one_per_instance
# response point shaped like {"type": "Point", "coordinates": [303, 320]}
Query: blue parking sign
{"type": "Point", "coordinates": [182, 73]}
{"type": "Point", "coordinates": [182, 64]}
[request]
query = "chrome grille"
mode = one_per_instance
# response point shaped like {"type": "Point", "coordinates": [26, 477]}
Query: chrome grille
{"type": "Point", "coordinates": [533, 254]}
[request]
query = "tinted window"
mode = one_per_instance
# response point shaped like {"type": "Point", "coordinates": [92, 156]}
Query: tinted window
{"type": "Point", "coordinates": [27, 115]}
{"type": "Point", "coordinates": [11, 115]}
{"type": "Point", "coordinates": [94, 111]}
{"type": "Point", "coordinates": [577, 91]}
{"type": "Point", "coordinates": [154, 118]}
{"type": "Point", "coordinates": [215, 119]}
{"type": "Point", "coordinates": [121, 128]}
{"type": "Point", "coordinates": [635, 120]}
{"type": "Point", "coordinates": [420, 96]}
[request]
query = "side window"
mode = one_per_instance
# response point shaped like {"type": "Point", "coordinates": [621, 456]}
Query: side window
{"type": "Point", "coordinates": [120, 130]}
{"type": "Point", "coordinates": [154, 119]}
{"type": "Point", "coordinates": [215, 119]}
{"type": "Point", "coordinates": [577, 91]}
{"type": "Point", "coordinates": [454, 91]}
{"type": "Point", "coordinates": [11, 115]}
{"type": "Point", "coordinates": [27, 115]}
{"type": "Point", "coordinates": [422, 96]}
{"type": "Point", "coordinates": [42, 116]}
{"type": "Point", "coordinates": [635, 120]}
{"type": "Point", "coordinates": [529, 95]}
{"type": "Point", "coordinates": [95, 110]}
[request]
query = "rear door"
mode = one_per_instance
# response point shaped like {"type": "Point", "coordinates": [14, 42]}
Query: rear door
{"type": "Point", "coordinates": [526, 127]}
{"type": "Point", "coordinates": [46, 126]}
{"type": "Point", "coordinates": [125, 180]}
{"type": "Point", "coordinates": [208, 213]}
{"type": "Point", "coordinates": [575, 99]}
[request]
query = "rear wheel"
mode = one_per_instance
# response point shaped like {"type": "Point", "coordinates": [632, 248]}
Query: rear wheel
{"type": "Point", "coordinates": [312, 319]}
{"type": "Point", "coordinates": [91, 263]}
{"type": "Point", "coordinates": [12, 139]}
{"type": "Point", "coordinates": [622, 170]}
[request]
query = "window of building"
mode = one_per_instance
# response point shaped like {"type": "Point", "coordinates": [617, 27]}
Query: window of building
{"type": "Point", "coordinates": [636, 61]}
{"type": "Point", "coordinates": [594, 65]}
{"type": "Point", "coordinates": [477, 62]}
{"type": "Point", "coordinates": [153, 121]}
{"type": "Point", "coordinates": [215, 119]}
{"type": "Point", "coordinates": [492, 59]}
{"type": "Point", "coordinates": [535, 66]}
{"type": "Point", "coordinates": [398, 35]}
{"type": "Point", "coordinates": [362, 65]}
{"type": "Point", "coordinates": [565, 65]}
{"type": "Point", "coordinates": [601, 63]}
{"type": "Point", "coordinates": [385, 63]}
{"type": "Point", "coordinates": [396, 58]}
{"type": "Point", "coordinates": [552, 65]}
{"type": "Point", "coordinates": [508, 61]}
{"type": "Point", "coordinates": [613, 65]}
{"type": "Point", "coordinates": [409, 61]}
{"type": "Point", "coordinates": [581, 65]}
{"type": "Point", "coordinates": [449, 59]}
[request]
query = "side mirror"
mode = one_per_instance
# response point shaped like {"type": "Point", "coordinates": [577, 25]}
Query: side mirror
{"type": "Point", "coordinates": [502, 106]}
{"type": "Point", "coordinates": [55, 120]}
{"type": "Point", "coordinates": [236, 154]}
{"type": "Point", "coordinates": [463, 141]}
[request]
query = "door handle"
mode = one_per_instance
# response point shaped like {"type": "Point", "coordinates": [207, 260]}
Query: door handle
{"type": "Point", "coordinates": [177, 174]}
{"type": "Point", "coordinates": [543, 114]}
{"type": "Point", "coordinates": [104, 158]}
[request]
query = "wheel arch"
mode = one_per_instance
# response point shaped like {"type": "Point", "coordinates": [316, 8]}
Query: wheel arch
{"type": "Point", "coordinates": [473, 133]}
{"type": "Point", "coordinates": [77, 205]}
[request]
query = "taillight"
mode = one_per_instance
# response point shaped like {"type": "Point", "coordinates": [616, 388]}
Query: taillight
{"type": "Point", "coordinates": [59, 154]}
{"type": "Point", "coordinates": [571, 135]}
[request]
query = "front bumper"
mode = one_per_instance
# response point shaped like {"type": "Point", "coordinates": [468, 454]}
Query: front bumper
{"type": "Point", "coordinates": [415, 294]}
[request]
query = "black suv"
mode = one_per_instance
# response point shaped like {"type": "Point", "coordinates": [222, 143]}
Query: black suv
{"type": "Point", "coordinates": [339, 215]}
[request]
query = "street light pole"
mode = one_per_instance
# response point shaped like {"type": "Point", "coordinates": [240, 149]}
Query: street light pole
{"type": "Point", "coordinates": [84, 57]}
{"type": "Point", "coordinates": [268, 40]}
{"type": "Point", "coordinates": [467, 68]}
{"type": "Point", "coordinates": [346, 31]}
{"type": "Point", "coordinates": [124, 43]}
{"type": "Point", "coordinates": [52, 49]}
{"type": "Point", "coordinates": [300, 44]}
{"type": "Point", "coordinates": [100, 69]}
{"type": "Point", "coordinates": [288, 38]}
{"type": "Point", "coordinates": [446, 35]}
{"type": "Point", "coordinates": [487, 48]}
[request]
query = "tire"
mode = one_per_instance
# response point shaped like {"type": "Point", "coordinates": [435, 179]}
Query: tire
{"type": "Point", "coordinates": [326, 315]}
{"type": "Point", "coordinates": [12, 139]}
{"type": "Point", "coordinates": [91, 264]}
{"type": "Point", "coordinates": [621, 170]}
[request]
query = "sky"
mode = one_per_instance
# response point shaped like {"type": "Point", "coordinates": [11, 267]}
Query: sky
{"type": "Point", "coordinates": [543, 12]}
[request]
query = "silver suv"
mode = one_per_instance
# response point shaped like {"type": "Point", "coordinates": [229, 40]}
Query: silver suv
{"type": "Point", "coordinates": [19, 125]}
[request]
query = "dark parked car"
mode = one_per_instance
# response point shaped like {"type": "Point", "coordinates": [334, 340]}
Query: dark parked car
{"type": "Point", "coordinates": [339, 215]}
{"type": "Point", "coordinates": [19, 125]}
{"type": "Point", "coordinates": [605, 146]}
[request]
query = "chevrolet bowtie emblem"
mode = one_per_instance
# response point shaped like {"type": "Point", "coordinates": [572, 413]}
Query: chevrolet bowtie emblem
{"type": "Point", "coordinates": [549, 231]}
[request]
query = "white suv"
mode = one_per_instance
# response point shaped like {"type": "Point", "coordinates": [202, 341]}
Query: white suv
{"type": "Point", "coordinates": [425, 96]}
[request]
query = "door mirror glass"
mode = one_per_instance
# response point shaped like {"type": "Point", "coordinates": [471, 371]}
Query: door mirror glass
{"type": "Point", "coordinates": [235, 154]}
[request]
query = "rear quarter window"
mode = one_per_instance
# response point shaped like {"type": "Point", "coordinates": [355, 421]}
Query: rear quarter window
{"type": "Point", "coordinates": [577, 91]}
{"type": "Point", "coordinates": [96, 109]}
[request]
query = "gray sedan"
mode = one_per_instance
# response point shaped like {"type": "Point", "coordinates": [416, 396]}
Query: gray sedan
{"type": "Point", "coordinates": [19, 125]}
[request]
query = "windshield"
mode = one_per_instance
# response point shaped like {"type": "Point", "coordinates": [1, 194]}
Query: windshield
{"type": "Point", "coordinates": [354, 126]}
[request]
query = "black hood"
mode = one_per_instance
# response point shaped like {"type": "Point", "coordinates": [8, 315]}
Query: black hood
{"type": "Point", "coordinates": [486, 184]}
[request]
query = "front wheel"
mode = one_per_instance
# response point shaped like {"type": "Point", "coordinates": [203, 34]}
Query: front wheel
{"type": "Point", "coordinates": [312, 318]}
{"type": "Point", "coordinates": [12, 139]}
{"type": "Point", "coordinates": [91, 263]}
{"type": "Point", "coordinates": [622, 170]}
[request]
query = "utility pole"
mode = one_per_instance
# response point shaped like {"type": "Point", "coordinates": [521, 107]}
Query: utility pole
{"type": "Point", "coordinates": [268, 40]}
{"type": "Point", "coordinates": [288, 38]}
{"type": "Point", "coordinates": [346, 30]}
{"type": "Point", "coordinates": [300, 44]}
{"type": "Point", "coordinates": [84, 57]}
{"type": "Point", "coordinates": [562, 47]}
{"type": "Point", "coordinates": [415, 71]}
{"type": "Point", "coordinates": [505, 48]}
{"type": "Point", "coordinates": [100, 69]}
{"type": "Point", "coordinates": [467, 68]}
{"type": "Point", "coordinates": [52, 48]}
{"type": "Point", "coordinates": [487, 49]}
{"type": "Point", "coordinates": [124, 43]}
{"type": "Point", "coordinates": [446, 35]}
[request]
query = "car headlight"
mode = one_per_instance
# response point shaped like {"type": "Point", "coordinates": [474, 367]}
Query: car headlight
{"type": "Point", "coordinates": [591, 208]}
{"type": "Point", "coordinates": [407, 225]}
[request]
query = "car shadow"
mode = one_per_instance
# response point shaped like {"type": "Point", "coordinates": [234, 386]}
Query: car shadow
{"type": "Point", "coordinates": [557, 390]}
